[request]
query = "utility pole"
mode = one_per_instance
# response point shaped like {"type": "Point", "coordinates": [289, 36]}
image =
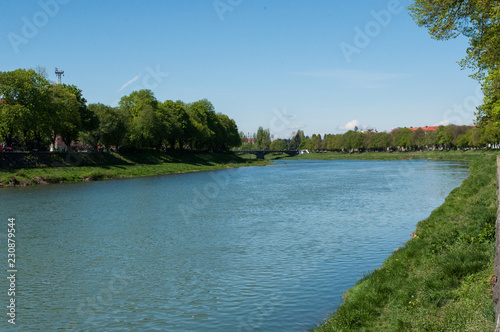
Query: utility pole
{"type": "Point", "coordinates": [59, 73]}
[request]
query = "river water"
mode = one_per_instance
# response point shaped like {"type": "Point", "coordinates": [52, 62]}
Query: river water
{"type": "Point", "coordinates": [249, 249]}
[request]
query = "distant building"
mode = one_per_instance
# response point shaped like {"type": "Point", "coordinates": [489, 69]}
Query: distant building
{"type": "Point", "coordinates": [426, 128]}
{"type": "Point", "coordinates": [368, 131]}
{"type": "Point", "coordinates": [59, 146]}
{"type": "Point", "coordinates": [251, 140]}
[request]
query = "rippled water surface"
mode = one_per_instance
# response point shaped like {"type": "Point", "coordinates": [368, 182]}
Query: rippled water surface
{"type": "Point", "coordinates": [249, 249]}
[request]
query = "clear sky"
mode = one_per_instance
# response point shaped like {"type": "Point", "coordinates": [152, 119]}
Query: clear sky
{"type": "Point", "coordinates": [322, 66]}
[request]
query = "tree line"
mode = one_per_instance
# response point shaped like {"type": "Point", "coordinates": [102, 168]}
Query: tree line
{"type": "Point", "coordinates": [403, 139]}
{"type": "Point", "coordinates": [34, 111]}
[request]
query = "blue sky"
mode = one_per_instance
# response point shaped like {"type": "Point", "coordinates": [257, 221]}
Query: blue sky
{"type": "Point", "coordinates": [322, 66]}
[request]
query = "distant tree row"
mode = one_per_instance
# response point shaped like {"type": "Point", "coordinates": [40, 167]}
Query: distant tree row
{"type": "Point", "coordinates": [33, 112]}
{"type": "Point", "coordinates": [263, 140]}
{"type": "Point", "coordinates": [445, 137]}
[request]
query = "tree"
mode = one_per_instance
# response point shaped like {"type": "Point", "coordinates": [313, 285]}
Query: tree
{"type": "Point", "coordinates": [315, 143]}
{"type": "Point", "coordinates": [138, 101]}
{"type": "Point", "coordinates": [183, 129]}
{"type": "Point", "coordinates": [439, 137]}
{"type": "Point", "coordinates": [243, 137]}
{"type": "Point", "coordinates": [488, 115]}
{"type": "Point", "coordinates": [357, 140]}
{"type": "Point", "coordinates": [464, 140]}
{"type": "Point", "coordinates": [450, 136]}
{"type": "Point", "coordinates": [66, 119]}
{"type": "Point", "coordinates": [490, 132]}
{"type": "Point", "coordinates": [147, 125]}
{"type": "Point", "coordinates": [111, 130]}
{"type": "Point", "coordinates": [10, 121]}
{"type": "Point", "coordinates": [369, 140]}
{"type": "Point", "coordinates": [279, 144]}
{"type": "Point", "coordinates": [296, 140]}
{"type": "Point", "coordinates": [402, 138]}
{"type": "Point", "coordinates": [229, 137]}
{"type": "Point", "coordinates": [89, 120]}
{"type": "Point", "coordinates": [146, 128]}
{"type": "Point", "coordinates": [263, 138]}
{"type": "Point", "coordinates": [25, 109]}
{"type": "Point", "coordinates": [336, 142]}
{"type": "Point", "coordinates": [202, 115]}
{"type": "Point", "coordinates": [348, 141]}
{"type": "Point", "coordinates": [418, 137]}
{"type": "Point", "coordinates": [476, 138]}
{"type": "Point", "coordinates": [383, 140]}
{"type": "Point", "coordinates": [479, 21]}
{"type": "Point", "coordinates": [430, 138]}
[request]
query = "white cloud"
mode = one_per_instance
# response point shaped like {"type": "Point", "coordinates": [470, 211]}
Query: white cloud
{"type": "Point", "coordinates": [350, 125]}
{"type": "Point", "coordinates": [443, 123]}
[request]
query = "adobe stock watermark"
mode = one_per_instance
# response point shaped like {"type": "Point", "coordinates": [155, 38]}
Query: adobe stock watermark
{"type": "Point", "coordinates": [256, 318]}
{"type": "Point", "coordinates": [201, 196]}
{"type": "Point", "coordinates": [103, 298]}
{"type": "Point", "coordinates": [31, 27]}
{"type": "Point", "coordinates": [72, 159]}
{"type": "Point", "coordinates": [461, 114]}
{"type": "Point", "coordinates": [151, 79]}
{"type": "Point", "coordinates": [364, 36]}
{"type": "Point", "coordinates": [280, 124]}
{"type": "Point", "coordinates": [224, 6]}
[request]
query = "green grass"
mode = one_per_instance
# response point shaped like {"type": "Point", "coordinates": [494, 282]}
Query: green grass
{"type": "Point", "coordinates": [106, 166]}
{"type": "Point", "coordinates": [440, 280]}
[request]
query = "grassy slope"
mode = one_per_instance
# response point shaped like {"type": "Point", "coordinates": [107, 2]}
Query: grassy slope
{"type": "Point", "coordinates": [105, 166]}
{"type": "Point", "coordinates": [439, 281]}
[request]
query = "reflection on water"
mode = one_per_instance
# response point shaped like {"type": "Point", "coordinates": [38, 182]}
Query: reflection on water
{"type": "Point", "coordinates": [250, 249]}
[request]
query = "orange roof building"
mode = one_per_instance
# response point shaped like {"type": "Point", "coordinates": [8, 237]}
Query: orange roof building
{"type": "Point", "coordinates": [426, 128]}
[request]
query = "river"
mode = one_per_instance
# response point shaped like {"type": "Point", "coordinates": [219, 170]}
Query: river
{"type": "Point", "coordinates": [248, 249]}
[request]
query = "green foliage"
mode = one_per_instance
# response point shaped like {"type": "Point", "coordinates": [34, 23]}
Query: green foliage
{"type": "Point", "coordinates": [25, 111]}
{"type": "Point", "coordinates": [111, 129]}
{"type": "Point", "coordinates": [263, 139]}
{"type": "Point", "coordinates": [478, 20]}
{"type": "Point", "coordinates": [446, 137]}
{"type": "Point", "coordinates": [34, 112]}
{"type": "Point", "coordinates": [403, 138]}
{"type": "Point", "coordinates": [211, 131]}
{"type": "Point", "coordinates": [65, 119]}
{"type": "Point", "coordinates": [297, 140]}
{"type": "Point", "coordinates": [279, 144]}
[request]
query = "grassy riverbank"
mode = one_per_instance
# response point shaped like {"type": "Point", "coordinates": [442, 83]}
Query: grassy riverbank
{"type": "Point", "coordinates": [440, 280]}
{"type": "Point", "coordinates": [106, 166]}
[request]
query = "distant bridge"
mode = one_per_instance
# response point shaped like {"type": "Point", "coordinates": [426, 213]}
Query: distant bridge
{"type": "Point", "coordinates": [261, 153]}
